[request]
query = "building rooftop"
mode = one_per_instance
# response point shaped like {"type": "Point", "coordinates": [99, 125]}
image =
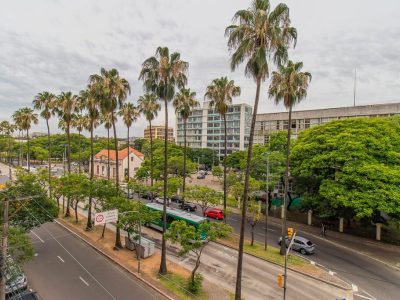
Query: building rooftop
{"type": "Point", "coordinates": [121, 154]}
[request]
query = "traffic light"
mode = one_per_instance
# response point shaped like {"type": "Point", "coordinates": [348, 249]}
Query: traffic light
{"type": "Point", "coordinates": [290, 232]}
{"type": "Point", "coordinates": [280, 280]}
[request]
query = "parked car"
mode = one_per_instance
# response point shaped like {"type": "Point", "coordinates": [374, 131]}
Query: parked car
{"type": "Point", "coordinates": [214, 213]}
{"type": "Point", "coordinates": [201, 176]}
{"type": "Point", "coordinates": [188, 206]}
{"type": "Point", "coordinates": [147, 195]}
{"type": "Point", "coordinates": [176, 199]}
{"type": "Point", "coordinates": [300, 244]}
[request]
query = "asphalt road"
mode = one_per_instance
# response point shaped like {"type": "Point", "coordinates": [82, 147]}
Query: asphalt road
{"type": "Point", "coordinates": [67, 268]}
{"type": "Point", "coordinates": [374, 280]}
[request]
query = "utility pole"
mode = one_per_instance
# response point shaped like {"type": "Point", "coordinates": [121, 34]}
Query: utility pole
{"type": "Point", "coordinates": [355, 82]}
{"type": "Point", "coordinates": [266, 205]}
{"type": "Point", "coordinates": [4, 245]}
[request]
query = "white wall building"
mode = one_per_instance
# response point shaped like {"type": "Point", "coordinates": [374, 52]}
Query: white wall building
{"type": "Point", "coordinates": [101, 159]}
{"type": "Point", "coordinates": [205, 128]}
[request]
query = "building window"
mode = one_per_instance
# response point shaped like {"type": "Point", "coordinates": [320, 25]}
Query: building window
{"type": "Point", "coordinates": [102, 170]}
{"type": "Point", "coordinates": [132, 158]}
{"type": "Point", "coordinates": [98, 169]}
{"type": "Point", "coordinates": [113, 172]}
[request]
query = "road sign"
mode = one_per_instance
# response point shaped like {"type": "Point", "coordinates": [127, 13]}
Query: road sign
{"type": "Point", "coordinates": [106, 217]}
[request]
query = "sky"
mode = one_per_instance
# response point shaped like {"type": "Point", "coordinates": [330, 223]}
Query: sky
{"type": "Point", "coordinates": [54, 45]}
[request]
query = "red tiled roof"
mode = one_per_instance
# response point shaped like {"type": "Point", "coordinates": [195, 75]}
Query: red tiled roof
{"type": "Point", "coordinates": [121, 154]}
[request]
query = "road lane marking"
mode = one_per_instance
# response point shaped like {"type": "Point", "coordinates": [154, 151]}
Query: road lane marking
{"type": "Point", "coordinates": [60, 258]}
{"type": "Point", "coordinates": [83, 280]}
{"type": "Point", "coordinates": [37, 236]}
{"type": "Point", "coordinates": [364, 297]}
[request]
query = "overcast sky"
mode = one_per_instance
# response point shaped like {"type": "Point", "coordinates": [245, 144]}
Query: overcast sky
{"type": "Point", "coordinates": [55, 45]}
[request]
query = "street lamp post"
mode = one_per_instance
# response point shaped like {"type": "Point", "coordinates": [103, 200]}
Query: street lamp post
{"type": "Point", "coordinates": [266, 205]}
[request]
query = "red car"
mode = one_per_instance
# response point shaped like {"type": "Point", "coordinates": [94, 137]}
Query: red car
{"type": "Point", "coordinates": [214, 213]}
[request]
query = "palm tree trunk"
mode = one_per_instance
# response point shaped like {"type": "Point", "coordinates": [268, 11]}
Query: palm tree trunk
{"type": "Point", "coordinates": [9, 155]}
{"type": "Point", "coordinates": [163, 264]}
{"type": "Point", "coordinates": [79, 152]}
{"type": "Point", "coordinates": [118, 244]}
{"type": "Point", "coordinates": [238, 290]}
{"type": "Point", "coordinates": [67, 212]}
{"type": "Point", "coordinates": [184, 159]}
{"type": "Point", "coordinates": [89, 225]}
{"type": "Point", "coordinates": [252, 234]}
{"type": "Point", "coordinates": [48, 139]}
{"type": "Point", "coordinates": [108, 153]}
{"type": "Point", "coordinates": [151, 159]}
{"type": "Point", "coordinates": [29, 158]}
{"type": "Point", "coordinates": [285, 195]}
{"type": "Point", "coordinates": [128, 156]}
{"type": "Point", "coordinates": [224, 116]}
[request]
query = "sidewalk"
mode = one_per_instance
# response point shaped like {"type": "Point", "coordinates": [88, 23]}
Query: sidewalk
{"type": "Point", "coordinates": [387, 254]}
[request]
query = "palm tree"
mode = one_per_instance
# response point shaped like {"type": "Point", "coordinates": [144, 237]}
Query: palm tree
{"type": "Point", "coordinates": [183, 103]}
{"type": "Point", "coordinates": [7, 128]}
{"type": "Point", "coordinates": [112, 91]}
{"type": "Point", "coordinates": [149, 107]}
{"type": "Point", "coordinates": [78, 122]}
{"type": "Point", "coordinates": [129, 113]}
{"type": "Point", "coordinates": [161, 74]}
{"type": "Point", "coordinates": [24, 117]}
{"type": "Point", "coordinates": [67, 105]}
{"type": "Point", "coordinates": [107, 120]}
{"type": "Point", "coordinates": [289, 85]}
{"type": "Point", "coordinates": [45, 102]}
{"type": "Point", "coordinates": [92, 121]}
{"type": "Point", "coordinates": [259, 33]}
{"type": "Point", "coordinates": [220, 93]}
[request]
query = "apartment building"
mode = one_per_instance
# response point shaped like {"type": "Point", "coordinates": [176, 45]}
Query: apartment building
{"type": "Point", "coordinates": [205, 128]}
{"type": "Point", "coordinates": [158, 132]}
{"type": "Point", "coordinates": [273, 122]}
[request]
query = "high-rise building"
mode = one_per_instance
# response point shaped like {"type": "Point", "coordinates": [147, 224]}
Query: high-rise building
{"type": "Point", "coordinates": [158, 132]}
{"type": "Point", "coordinates": [205, 128]}
{"type": "Point", "coordinates": [273, 122]}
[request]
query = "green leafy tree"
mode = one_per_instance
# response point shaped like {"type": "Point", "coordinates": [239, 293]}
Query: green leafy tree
{"type": "Point", "coordinates": [203, 156]}
{"type": "Point", "coordinates": [149, 107]}
{"type": "Point", "coordinates": [183, 103]}
{"type": "Point", "coordinates": [288, 85]}
{"type": "Point", "coordinates": [204, 196]}
{"type": "Point", "coordinates": [348, 168]}
{"type": "Point", "coordinates": [220, 93]}
{"type": "Point", "coordinates": [259, 33]}
{"type": "Point", "coordinates": [24, 118]}
{"type": "Point", "coordinates": [161, 74]}
{"type": "Point", "coordinates": [75, 187]}
{"type": "Point", "coordinates": [195, 240]}
{"type": "Point", "coordinates": [138, 143]}
{"type": "Point", "coordinates": [253, 217]}
{"type": "Point", "coordinates": [45, 102]}
{"type": "Point", "coordinates": [216, 171]}
{"type": "Point", "coordinates": [78, 122]}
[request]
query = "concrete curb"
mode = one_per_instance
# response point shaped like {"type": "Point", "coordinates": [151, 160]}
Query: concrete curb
{"type": "Point", "coordinates": [293, 270]}
{"type": "Point", "coordinates": [116, 262]}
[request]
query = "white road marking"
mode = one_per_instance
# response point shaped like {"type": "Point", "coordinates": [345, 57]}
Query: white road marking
{"type": "Point", "coordinates": [60, 258]}
{"type": "Point", "coordinates": [364, 297]}
{"type": "Point", "coordinates": [36, 254]}
{"type": "Point", "coordinates": [37, 236]}
{"type": "Point", "coordinates": [83, 280]}
{"type": "Point", "coordinates": [354, 288]}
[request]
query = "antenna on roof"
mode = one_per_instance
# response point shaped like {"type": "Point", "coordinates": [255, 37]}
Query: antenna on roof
{"type": "Point", "coordinates": [355, 82]}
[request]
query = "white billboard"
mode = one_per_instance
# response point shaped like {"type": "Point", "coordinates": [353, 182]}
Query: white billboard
{"type": "Point", "coordinates": [106, 217]}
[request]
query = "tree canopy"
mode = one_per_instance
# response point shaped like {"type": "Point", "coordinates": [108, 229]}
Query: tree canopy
{"type": "Point", "coordinates": [350, 168]}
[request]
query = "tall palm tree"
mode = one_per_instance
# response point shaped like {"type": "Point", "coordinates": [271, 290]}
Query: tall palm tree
{"type": "Point", "coordinates": [258, 33]}
{"type": "Point", "coordinates": [45, 103]}
{"type": "Point", "coordinates": [149, 107]}
{"type": "Point", "coordinates": [67, 105]}
{"type": "Point", "coordinates": [78, 122]}
{"type": "Point", "coordinates": [129, 113]}
{"type": "Point", "coordinates": [288, 85]}
{"type": "Point", "coordinates": [112, 92]}
{"type": "Point", "coordinates": [92, 121]}
{"type": "Point", "coordinates": [24, 118]}
{"type": "Point", "coordinates": [161, 73]}
{"type": "Point", "coordinates": [8, 128]}
{"type": "Point", "coordinates": [183, 103]}
{"type": "Point", "coordinates": [220, 93]}
{"type": "Point", "coordinates": [107, 120]}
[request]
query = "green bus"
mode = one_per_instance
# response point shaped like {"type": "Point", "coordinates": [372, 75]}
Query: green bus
{"type": "Point", "coordinates": [174, 214]}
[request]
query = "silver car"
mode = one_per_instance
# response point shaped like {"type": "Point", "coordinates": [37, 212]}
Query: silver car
{"type": "Point", "coordinates": [300, 244]}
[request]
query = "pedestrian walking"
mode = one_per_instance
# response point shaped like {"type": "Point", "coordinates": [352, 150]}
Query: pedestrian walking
{"type": "Point", "coordinates": [323, 230]}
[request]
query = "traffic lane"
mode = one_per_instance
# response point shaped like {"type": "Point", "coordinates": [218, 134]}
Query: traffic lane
{"type": "Point", "coordinates": [367, 274]}
{"type": "Point", "coordinates": [54, 275]}
{"type": "Point", "coordinates": [107, 279]}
